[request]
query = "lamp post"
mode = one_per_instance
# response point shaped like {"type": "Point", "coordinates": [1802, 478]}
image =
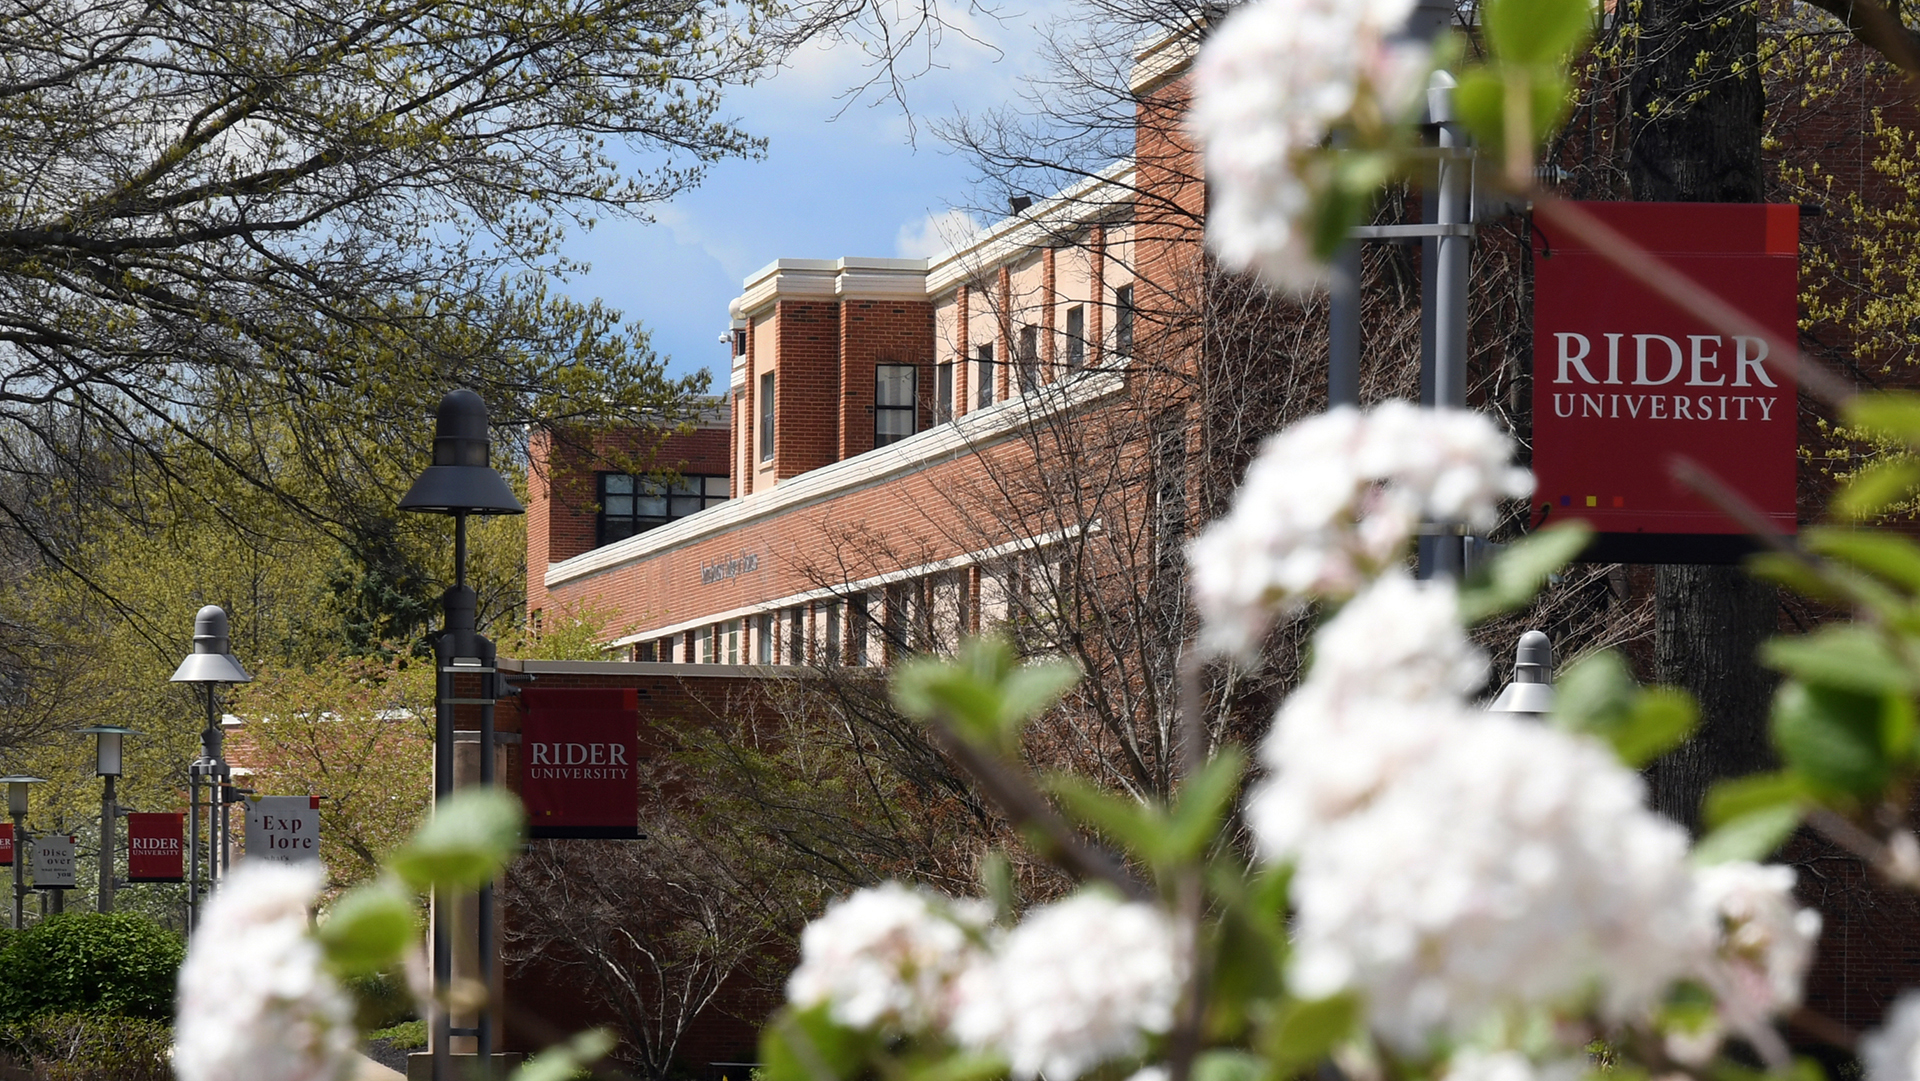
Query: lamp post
{"type": "Point", "coordinates": [17, 810]}
{"type": "Point", "coordinates": [1532, 688]}
{"type": "Point", "coordinates": [106, 763]}
{"type": "Point", "coordinates": [460, 482]}
{"type": "Point", "coordinates": [210, 663]}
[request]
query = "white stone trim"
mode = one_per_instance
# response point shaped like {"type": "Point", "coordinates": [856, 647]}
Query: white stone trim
{"type": "Point", "coordinates": [851, 278]}
{"type": "Point", "coordinates": [877, 581]}
{"type": "Point", "coordinates": [647, 668]}
{"type": "Point", "coordinates": [1090, 200]}
{"type": "Point", "coordinates": [1163, 58]}
{"type": "Point", "coordinates": [945, 441]}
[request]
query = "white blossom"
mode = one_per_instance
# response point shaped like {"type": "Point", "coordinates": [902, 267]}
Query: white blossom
{"type": "Point", "coordinates": [1495, 862]}
{"type": "Point", "coordinates": [256, 1001]}
{"type": "Point", "coordinates": [1077, 983]}
{"type": "Point", "coordinates": [1477, 1064]}
{"type": "Point", "coordinates": [1270, 83]}
{"type": "Point", "coordinates": [1892, 1052]}
{"type": "Point", "coordinates": [888, 956]}
{"type": "Point", "coordinates": [1331, 501]}
{"type": "Point", "coordinates": [1766, 940]}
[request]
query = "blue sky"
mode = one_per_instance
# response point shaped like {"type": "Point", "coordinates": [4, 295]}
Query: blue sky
{"type": "Point", "coordinates": [855, 185]}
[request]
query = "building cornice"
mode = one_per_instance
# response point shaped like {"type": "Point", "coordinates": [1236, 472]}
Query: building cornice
{"type": "Point", "coordinates": [1096, 198]}
{"type": "Point", "coordinates": [851, 278]}
{"type": "Point", "coordinates": [943, 442]}
{"type": "Point", "coordinates": [1163, 59]}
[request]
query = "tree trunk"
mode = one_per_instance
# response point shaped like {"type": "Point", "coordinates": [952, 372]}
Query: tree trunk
{"type": "Point", "coordinates": [1696, 110]}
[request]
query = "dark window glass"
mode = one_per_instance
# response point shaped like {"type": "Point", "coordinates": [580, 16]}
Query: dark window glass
{"type": "Point", "coordinates": [1076, 338]}
{"type": "Point", "coordinates": [943, 392]}
{"type": "Point", "coordinates": [983, 390]}
{"type": "Point", "coordinates": [740, 341]}
{"type": "Point", "coordinates": [832, 635]}
{"type": "Point", "coordinates": [1123, 320]}
{"type": "Point", "coordinates": [1029, 368]}
{"type": "Point", "coordinates": [896, 390]}
{"type": "Point", "coordinates": [766, 417]}
{"type": "Point", "coordinates": [630, 504]}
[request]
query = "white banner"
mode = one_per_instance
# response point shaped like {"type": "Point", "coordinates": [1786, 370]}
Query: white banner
{"type": "Point", "coordinates": [53, 862]}
{"type": "Point", "coordinates": [284, 829]}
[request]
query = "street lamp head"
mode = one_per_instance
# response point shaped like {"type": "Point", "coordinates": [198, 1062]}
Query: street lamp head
{"type": "Point", "coordinates": [212, 659]}
{"type": "Point", "coordinates": [17, 793]}
{"type": "Point", "coordinates": [460, 480]}
{"type": "Point", "coordinates": [107, 749]}
{"type": "Point", "coordinates": [1532, 688]}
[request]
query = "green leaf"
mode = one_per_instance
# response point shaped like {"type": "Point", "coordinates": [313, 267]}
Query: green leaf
{"type": "Point", "coordinates": [1302, 1033]}
{"type": "Point", "coordinates": [564, 1062]}
{"type": "Point", "coordinates": [1890, 556]}
{"type": "Point", "coordinates": [1831, 737]}
{"type": "Point", "coordinates": [806, 1045]}
{"type": "Point", "coordinates": [1751, 836]}
{"type": "Point", "coordinates": [996, 880]}
{"type": "Point", "coordinates": [1782, 569]}
{"type": "Point", "coordinates": [369, 927]}
{"type": "Point", "coordinates": [1202, 804]}
{"type": "Point", "coordinates": [958, 1066]}
{"type": "Point", "coordinates": [1873, 489]}
{"type": "Point", "coordinates": [1136, 826]}
{"type": "Point", "coordinates": [1224, 1065]}
{"type": "Point", "coordinates": [1480, 102]}
{"type": "Point", "coordinates": [472, 836]}
{"type": "Point", "coordinates": [985, 694]}
{"type": "Point", "coordinates": [1729, 799]}
{"type": "Point", "coordinates": [1597, 695]}
{"type": "Point", "coordinates": [1661, 719]}
{"type": "Point", "coordinates": [1536, 31]}
{"type": "Point", "coordinates": [1891, 413]}
{"type": "Point", "coordinates": [1512, 578]}
{"type": "Point", "coordinates": [1848, 657]}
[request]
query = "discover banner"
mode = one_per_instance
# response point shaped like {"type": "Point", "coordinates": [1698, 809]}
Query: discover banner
{"type": "Point", "coordinates": [1625, 381]}
{"type": "Point", "coordinates": [156, 847]}
{"type": "Point", "coordinates": [578, 749]}
{"type": "Point", "coordinates": [52, 865]}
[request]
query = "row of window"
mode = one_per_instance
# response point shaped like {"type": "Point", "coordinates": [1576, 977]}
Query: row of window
{"type": "Point", "coordinates": [632, 504]}
{"type": "Point", "coordinates": [896, 387]}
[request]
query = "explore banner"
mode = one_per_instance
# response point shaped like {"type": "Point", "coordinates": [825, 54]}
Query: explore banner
{"type": "Point", "coordinates": [578, 750]}
{"type": "Point", "coordinates": [283, 829]}
{"type": "Point", "coordinates": [156, 847]}
{"type": "Point", "coordinates": [1625, 381]}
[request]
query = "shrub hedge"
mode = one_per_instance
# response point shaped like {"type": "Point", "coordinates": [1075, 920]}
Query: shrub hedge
{"type": "Point", "coordinates": [89, 1047]}
{"type": "Point", "coordinates": [88, 963]}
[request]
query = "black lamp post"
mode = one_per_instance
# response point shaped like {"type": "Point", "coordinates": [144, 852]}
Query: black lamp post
{"type": "Point", "coordinates": [17, 810]}
{"type": "Point", "coordinates": [106, 763]}
{"type": "Point", "coordinates": [461, 482]}
{"type": "Point", "coordinates": [210, 663]}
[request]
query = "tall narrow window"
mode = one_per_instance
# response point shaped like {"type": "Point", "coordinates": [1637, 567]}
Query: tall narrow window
{"type": "Point", "coordinates": [858, 619]}
{"type": "Point", "coordinates": [1076, 337]}
{"type": "Point", "coordinates": [1029, 359]}
{"type": "Point", "coordinates": [831, 655]}
{"type": "Point", "coordinates": [983, 392]}
{"type": "Point", "coordinates": [739, 341]}
{"type": "Point", "coordinates": [896, 398]}
{"type": "Point", "coordinates": [763, 638]}
{"type": "Point", "coordinates": [1123, 320]}
{"type": "Point", "coordinates": [796, 636]}
{"type": "Point", "coordinates": [943, 393]}
{"type": "Point", "coordinates": [766, 416]}
{"type": "Point", "coordinates": [731, 633]}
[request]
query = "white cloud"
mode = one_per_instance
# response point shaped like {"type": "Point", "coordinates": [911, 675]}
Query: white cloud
{"type": "Point", "coordinates": [934, 234]}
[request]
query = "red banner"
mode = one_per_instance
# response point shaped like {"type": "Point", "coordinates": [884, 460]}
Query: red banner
{"type": "Point", "coordinates": [578, 750]}
{"type": "Point", "coordinates": [6, 845]}
{"type": "Point", "coordinates": [1625, 381]}
{"type": "Point", "coordinates": [156, 847]}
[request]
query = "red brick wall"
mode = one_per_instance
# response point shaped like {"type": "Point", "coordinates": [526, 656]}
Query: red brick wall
{"type": "Point", "coordinates": [561, 486]}
{"type": "Point", "coordinates": [806, 359]}
{"type": "Point", "coordinates": [874, 332]}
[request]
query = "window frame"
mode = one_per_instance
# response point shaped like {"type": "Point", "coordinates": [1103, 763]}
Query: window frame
{"type": "Point", "coordinates": [1123, 320]}
{"type": "Point", "coordinates": [911, 410]}
{"type": "Point", "coordinates": [768, 387]}
{"type": "Point", "coordinates": [1027, 358]}
{"type": "Point", "coordinates": [943, 387]}
{"type": "Point", "coordinates": [983, 364]}
{"type": "Point", "coordinates": [604, 522]}
{"type": "Point", "coordinates": [1076, 337]}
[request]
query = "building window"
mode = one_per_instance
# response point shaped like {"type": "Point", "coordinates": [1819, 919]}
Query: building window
{"type": "Point", "coordinates": [796, 636]}
{"type": "Point", "coordinates": [896, 397]}
{"type": "Point", "coordinates": [1123, 320]}
{"type": "Point", "coordinates": [763, 638]}
{"type": "Point", "coordinates": [631, 504]}
{"type": "Point", "coordinates": [729, 642]}
{"type": "Point", "coordinates": [1076, 338]}
{"type": "Point", "coordinates": [1029, 368]}
{"type": "Point", "coordinates": [983, 390]}
{"type": "Point", "coordinates": [766, 416]}
{"type": "Point", "coordinates": [740, 341]}
{"type": "Point", "coordinates": [943, 393]}
{"type": "Point", "coordinates": [831, 646]}
{"type": "Point", "coordinates": [858, 618]}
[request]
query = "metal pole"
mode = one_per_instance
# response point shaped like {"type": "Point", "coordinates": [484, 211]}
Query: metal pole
{"type": "Point", "coordinates": [210, 747]}
{"type": "Point", "coordinates": [1343, 332]}
{"type": "Point", "coordinates": [108, 810]}
{"type": "Point", "coordinates": [1444, 354]}
{"type": "Point", "coordinates": [442, 904]}
{"type": "Point", "coordinates": [489, 687]}
{"type": "Point", "coordinates": [193, 846]}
